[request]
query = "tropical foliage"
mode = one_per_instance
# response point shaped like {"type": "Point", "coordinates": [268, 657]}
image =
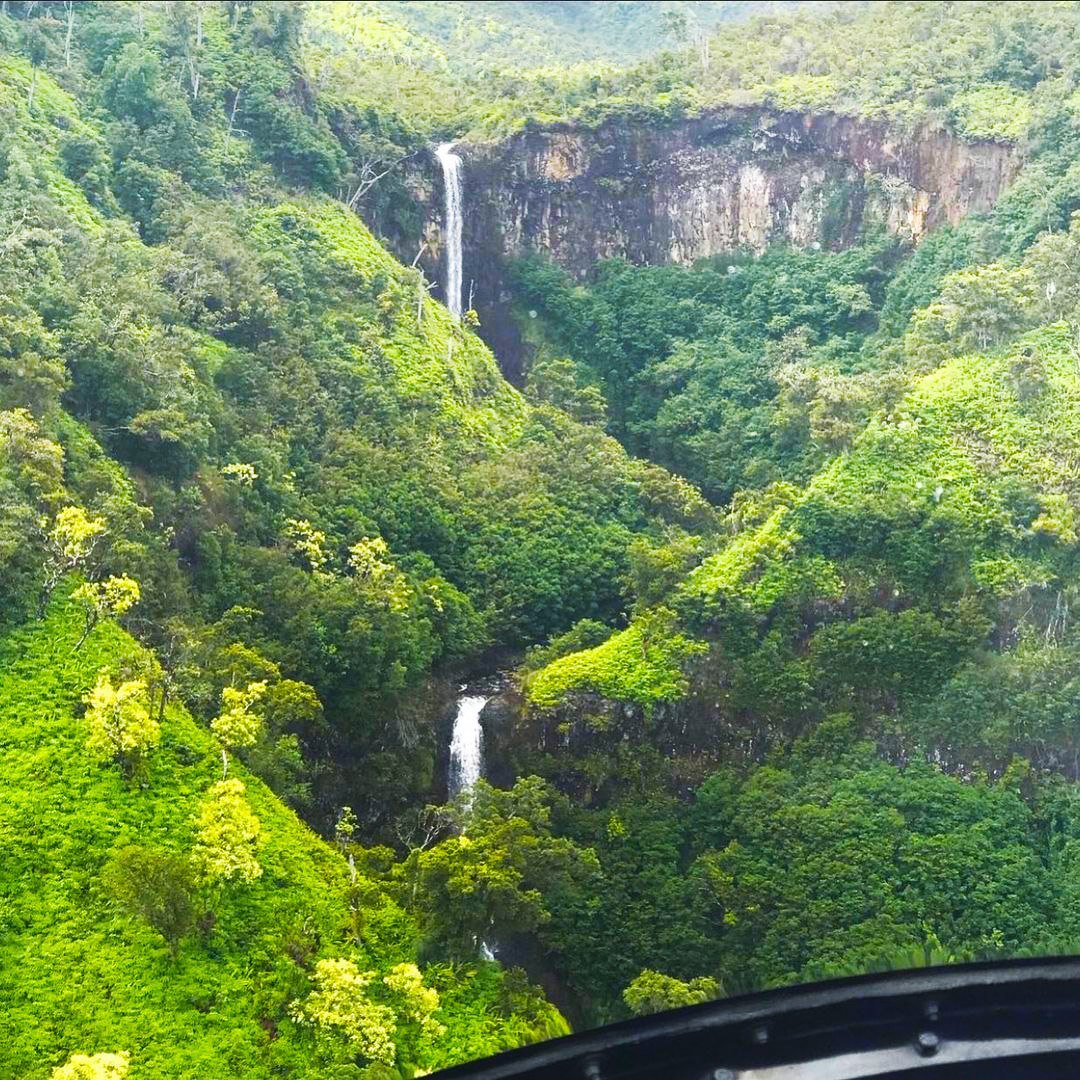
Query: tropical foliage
{"type": "Point", "coordinates": [798, 683]}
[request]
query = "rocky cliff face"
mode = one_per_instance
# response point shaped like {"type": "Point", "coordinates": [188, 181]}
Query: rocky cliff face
{"type": "Point", "coordinates": [734, 179]}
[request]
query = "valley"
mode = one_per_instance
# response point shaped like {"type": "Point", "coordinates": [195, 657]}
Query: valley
{"type": "Point", "coordinates": [519, 516]}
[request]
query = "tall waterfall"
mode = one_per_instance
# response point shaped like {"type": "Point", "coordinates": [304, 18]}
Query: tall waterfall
{"type": "Point", "coordinates": [466, 744]}
{"type": "Point", "coordinates": [451, 169]}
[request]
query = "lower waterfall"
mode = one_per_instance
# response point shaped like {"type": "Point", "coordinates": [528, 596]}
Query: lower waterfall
{"type": "Point", "coordinates": [466, 744]}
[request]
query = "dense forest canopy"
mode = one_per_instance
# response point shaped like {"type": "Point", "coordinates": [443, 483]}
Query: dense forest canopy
{"type": "Point", "coordinates": [782, 548]}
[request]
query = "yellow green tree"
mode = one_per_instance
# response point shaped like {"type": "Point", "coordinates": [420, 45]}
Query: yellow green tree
{"type": "Point", "coordinates": [110, 598]}
{"type": "Point", "coordinates": [121, 725]}
{"type": "Point", "coordinates": [93, 1067]}
{"type": "Point", "coordinates": [236, 726]}
{"type": "Point", "coordinates": [227, 836]}
{"type": "Point", "coordinates": [358, 1015]}
{"type": "Point", "coordinates": [70, 544]}
{"type": "Point", "coordinates": [653, 992]}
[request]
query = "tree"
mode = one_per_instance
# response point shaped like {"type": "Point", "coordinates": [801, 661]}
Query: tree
{"type": "Point", "coordinates": [34, 463]}
{"type": "Point", "coordinates": [293, 723]}
{"type": "Point", "coordinates": [237, 726]}
{"type": "Point", "coordinates": [155, 885]}
{"type": "Point", "coordinates": [653, 992]}
{"type": "Point", "coordinates": [227, 837]}
{"type": "Point", "coordinates": [369, 1017]}
{"type": "Point", "coordinates": [121, 727]}
{"type": "Point", "coordinates": [308, 544]}
{"type": "Point", "coordinates": [341, 1011]}
{"type": "Point", "coordinates": [70, 543]}
{"type": "Point", "coordinates": [416, 1006]}
{"type": "Point", "coordinates": [69, 9]}
{"type": "Point", "coordinates": [554, 381]}
{"type": "Point", "coordinates": [93, 1067]}
{"type": "Point", "coordinates": [37, 48]}
{"type": "Point", "coordinates": [31, 480]}
{"type": "Point", "coordinates": [32, 374]}
{"type": "Point", "coordinates": [109, 598]}
{"type": "Point", "coordinates": [977, 308]}
{"type": "Point", "coordinates": [492, 877]}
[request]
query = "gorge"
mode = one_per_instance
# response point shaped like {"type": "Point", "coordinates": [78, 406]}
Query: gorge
{"type": "Point", "coordinates": [495, 540]}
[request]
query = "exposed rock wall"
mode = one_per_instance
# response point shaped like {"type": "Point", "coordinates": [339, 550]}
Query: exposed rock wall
{"type": "Point", "coordinates": [732, 179]}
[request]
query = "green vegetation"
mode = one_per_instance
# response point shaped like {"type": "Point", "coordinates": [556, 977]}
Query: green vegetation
{"type": "Point", "coordinates": [803, 705]}
{"type": "Point", "coordinates": [449, 66]}
{"type": "Point", "coordinates": [299, 466]}
{"type": "Point", "coordinates": [977, 68]}
{"type": "Point", "coordinates": [642, 664]}
{"type": "Point", "coordinates": [884, 637]}
{"type": "Point", "coordinates": [147, 897]}
{"type": "Point", "coordinates": [980, 69]}
{"type": "Point", "coordinates": [230, 418]}
{"type": "Point", "coordinates": [733, 374]}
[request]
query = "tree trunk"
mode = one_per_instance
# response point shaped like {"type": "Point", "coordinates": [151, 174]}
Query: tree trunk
{"type": "Point", "coordinates": [91, 622]}
{"type": "Point", "coordinates": [232, 114]}
{"type": "Point", "coordinates": [70, 5]}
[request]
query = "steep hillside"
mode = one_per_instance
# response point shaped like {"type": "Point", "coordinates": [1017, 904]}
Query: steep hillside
{"type": "Point", "coordinates": [944, 532]}
{"type": "Point", "coordinates": [261, 442]}
{"type": "Point", "coordinates": [812, 704]}
{"type": "Point", "coordinates": [296, 451]}
{"type": "Point", "coordinates": [82, 970]}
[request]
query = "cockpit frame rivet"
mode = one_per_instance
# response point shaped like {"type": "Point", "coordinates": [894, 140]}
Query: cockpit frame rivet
{"type": "Point", "coordinates": [927, 1043]}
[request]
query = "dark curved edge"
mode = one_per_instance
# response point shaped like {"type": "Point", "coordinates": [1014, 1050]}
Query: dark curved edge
{"type": "Point", "coordinates": [997, 1018]}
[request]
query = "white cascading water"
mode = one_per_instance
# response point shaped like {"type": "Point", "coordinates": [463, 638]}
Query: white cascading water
{"type": "Point", "coordinates": [451, 170]}
{"type": "Point", "coordinates": [467, 763]}
{"type": "Point", "coordinates": [466, 745]}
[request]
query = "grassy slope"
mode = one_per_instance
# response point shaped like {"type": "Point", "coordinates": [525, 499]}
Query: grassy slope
{"type": "Point", "coordinates": [77, 974]}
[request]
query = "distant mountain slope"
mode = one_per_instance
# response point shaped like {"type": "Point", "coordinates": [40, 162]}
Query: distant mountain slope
{"type": "Point", "coordinates": [559, 32]}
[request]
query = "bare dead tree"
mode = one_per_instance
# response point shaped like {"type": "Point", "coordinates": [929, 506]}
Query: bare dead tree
{"type": "Point", "coordinates": [423, 286]}
{"type": "Point", "coordinates": [193, 54]}
{"type": "Point", "coordinates": [69, 7]}
{"type": "Point", "coordinates": [703, 49]}
{"type": "Point", "coordinates": [232, 113]}
{"type": "Point", "coordinates": [372, 168]}
{"type": "Point", "coordinates": [420, 828]}
{"type": "Point", "coordinates": [422, 289]}
{"type": "Point", "coordinates": [370, 175]}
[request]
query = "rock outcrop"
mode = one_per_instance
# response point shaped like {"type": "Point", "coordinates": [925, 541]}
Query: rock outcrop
{"type": "Point", "coordinates": [733, 179]}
